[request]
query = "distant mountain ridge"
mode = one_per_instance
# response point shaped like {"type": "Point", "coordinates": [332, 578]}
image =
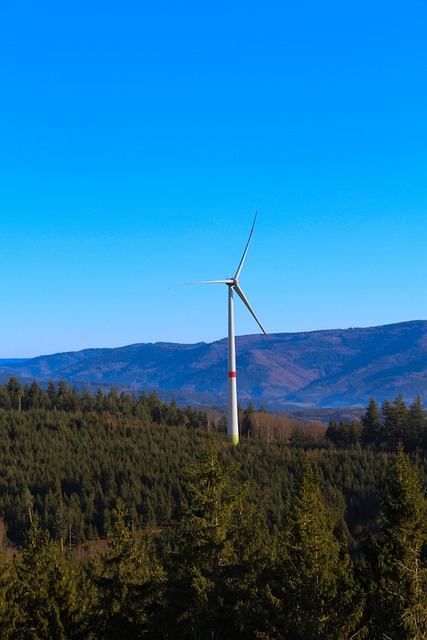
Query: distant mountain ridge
{"type": "Point", "coordinates": [337, 367]}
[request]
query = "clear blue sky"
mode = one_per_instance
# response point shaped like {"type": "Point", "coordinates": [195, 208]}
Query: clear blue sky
{"type": "Point", "coordinates": [138, 139]}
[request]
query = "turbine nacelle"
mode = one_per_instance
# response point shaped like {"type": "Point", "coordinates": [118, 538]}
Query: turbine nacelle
{"type": "Point", "coordinates": [233, 283]}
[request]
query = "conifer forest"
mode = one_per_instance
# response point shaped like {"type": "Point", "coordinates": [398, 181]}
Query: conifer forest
{"type": "Point", "coordinates": [128, 517]}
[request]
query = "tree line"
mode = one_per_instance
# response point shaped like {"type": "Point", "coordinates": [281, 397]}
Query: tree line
{"type": "Point", "coordinates": [61, 397]}
{"type": "Point", "coordinates": [383, 428]}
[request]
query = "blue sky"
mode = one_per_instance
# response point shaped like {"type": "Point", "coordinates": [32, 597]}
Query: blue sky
{"type": "Point", "coordinates": [138, 139]}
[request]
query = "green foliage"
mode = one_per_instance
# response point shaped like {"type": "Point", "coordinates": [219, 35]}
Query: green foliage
{"type": "Point", "coordinates": [68, 458]}
{"type": "Point", "coordinates": [345, 434]}
{"type": "Point", "coordinates": [314, 590]}
{"type": "Point", "coordinates": [44, 596]}
{"type": "Point", "coordinates": [8, 608]}
{"type": "Point", "coordinates": [372, 429]}
{"type": "Point", "coordinates": [15, 392]}
{"type": "Point", "coordinates": [214, 548]}
{"type": "Point", "coordinates": [416, 424]}
{"type": "Point", "coordinates": [129, 584]}
{"type": "Point", "coordinates": [401, 560]}
{"type": "Point", "coordinates": [397, 423]}
{"type": "Point", "coordinates": [199, 539]}
{"type": "Point", "coordinates": [395, 415]}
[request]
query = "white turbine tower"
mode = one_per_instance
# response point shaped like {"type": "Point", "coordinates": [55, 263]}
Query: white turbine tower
{"type": "Point", "coordinates": [233, 285]}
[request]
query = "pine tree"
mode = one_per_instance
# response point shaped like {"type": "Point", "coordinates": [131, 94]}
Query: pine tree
{"type": "Point", "coordinates": [246, 421]}
{"type": "Point", "coordinates": [16, 393]}
{"type": "Point", "coordinates": [9, 612]}
{"type": "Point", "coordinates": [129, 582]}
{"type": "Point", "coordinates": [44, 596]}
{"type": "Point", "coordinates": [395, 416]}
{"type": "Point", "coordinates": [372, 429]}
{"type": "Point", "coordinates": [314, 592]}
{"type": "Point", "coordinates": [35, 397]}
{"type": "Point", "coordinates": [401, 591]}
{"type": "Point", "coordinates": [51, 393]}
{"type": "Point", "coordinates": [213, 551]}
{"type": "Point", "coordinates": [416, 424]}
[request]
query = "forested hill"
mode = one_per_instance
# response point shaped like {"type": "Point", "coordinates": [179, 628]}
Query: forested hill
{"type": "Point", "coordinates": [337, 367]}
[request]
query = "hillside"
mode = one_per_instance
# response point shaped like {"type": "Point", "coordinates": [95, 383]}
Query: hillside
{"type": "Point", "coordinates": [339, 367]}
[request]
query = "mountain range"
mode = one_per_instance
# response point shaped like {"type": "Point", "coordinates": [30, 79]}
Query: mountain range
{"type": "Point", "coordinates": [328, 368]}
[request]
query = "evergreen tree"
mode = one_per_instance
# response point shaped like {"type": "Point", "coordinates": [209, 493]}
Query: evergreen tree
{"type": "Point", "coordinates": [8, 608]}
{"type": "Point", "coordinates": [395, 416]}
{"type": "Point", "coordinates": [35, 398]}
{"type": "Point", "coordinates": [345, 434]}
{"type": "Point", "coordinates": [314, 592]}
{"type": "Point", "coordinates": [129, 582]}
{"type": "Point", "coordinates": [246, 421]}
{"type": "Point", "coordinates": [416, 424]}
{"type": "Point", "coordinates": [213, 550]}
{"type": "Point", "coordinates": [372, 429]}
{"type": "Point", "coordinates": [402, 565]}
{"type": "Point", "coordinates": [5, 400]}
{"type": "Point", "coordinates": [51, 392]}
{"type": "Point", "coordinates": [45, 597]}
{"type": "Point", "coordinates": [16, 393]}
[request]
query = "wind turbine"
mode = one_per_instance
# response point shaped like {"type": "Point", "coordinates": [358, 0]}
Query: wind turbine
{"type": "Point", "coordinates": [233, 285]}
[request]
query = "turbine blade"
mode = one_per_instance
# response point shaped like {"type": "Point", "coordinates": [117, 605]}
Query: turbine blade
{"type": "Point", "coordinates": [212, 282]}
{"type": "Point", "coordinates": [246, 303]}
{"type": "Point", "coordinates": [247, 247]}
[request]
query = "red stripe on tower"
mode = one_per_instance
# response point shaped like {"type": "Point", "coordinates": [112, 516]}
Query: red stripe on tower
{"type": "Point", "coordinates": [232, 374]}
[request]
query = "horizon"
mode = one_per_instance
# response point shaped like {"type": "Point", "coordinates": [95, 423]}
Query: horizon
{"type": "Point", "coordinates": [135, 344]}
{"type": "Point", "coordinates": [139, 141]}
